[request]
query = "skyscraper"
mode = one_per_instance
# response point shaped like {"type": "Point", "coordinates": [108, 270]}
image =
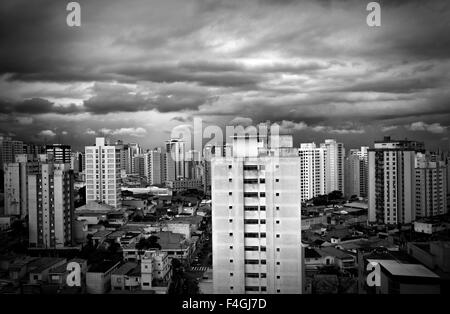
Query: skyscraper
{"type": "Point", "coordinates": [50, 204]}
{"type": "Point", "coordinates": [15, 184]}
{"type": "Point", "coordinates": [392, 181]}
{"type": "Point", "coordinates": [356, 172]}
{"type": "Point", "coordinates": [431, 187]}
{"type": "Point", "coordinates": [10, 148]}
{"type": "Point", "coordinates": [256, 219]}
{"type": "Point", "coordinates": [312, 171]}
{"type": "Point", "coordinates": [152, 166]}
{"type": "Point", "coordinates": [177, 151]}
{"type": "Point", "coordinates": [61, 153]}
{"type": "Point", "coordinates": [334, 165]}
{"type": "Point", "coordinates": [103, 173]}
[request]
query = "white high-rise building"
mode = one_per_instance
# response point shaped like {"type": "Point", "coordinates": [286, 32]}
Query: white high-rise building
{"type": "Point", "coordinates": [256, 219]}
{"type": "Point", "coordinates": [103, 173]}
{"type": "Point", "coordinates": [392, 181]}
{"type": "Point", "coordinates": [50, 204]}
{"type": "Point", "coordinates": [152, 166]}
{"type": "Point", "coordinates": [312, 175]}
{"type": "Point", "coordinates": [334, 165]}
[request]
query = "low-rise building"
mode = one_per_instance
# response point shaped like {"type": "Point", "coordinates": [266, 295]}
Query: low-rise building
{"type": "Point", "coordinates": [98, 277]}
{"type": "Point", "coordinates": [126, 277]}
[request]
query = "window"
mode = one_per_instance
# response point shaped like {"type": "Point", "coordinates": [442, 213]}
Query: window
{"type": "Point", "coordinates": [277, 221]}
{"type": "Point", "coordinates": [229, 166]}
{"type": "Point", "coordinates": [262, 194]}
{"type": "Point", "coordinates": [230, 207]}
{"type": "Point", "coordinates": [231, 274]}
{"type": "Point", "coordinates": [230, 193]}
{"type": "Point", "coordinates": [230, 220]}
{"type": "Point", "coordinates": [277, 194]}
{"type": "Point", "coordinates": [231, 261]}
{"type": "Point", "coordinates": [231, 247]}
{"type": "Point", "coordinates": [277, 180]}
{"type": "Point", "coordinates": [230, 180]}
{"type": "Point", "coordinates": [263, 289]}
{"type": "Point", "coordinates": [278, 249]}
{"type": "Point", "coordinates": [278, 235]}
{"type": "Point", "coordinates": [231, 234]}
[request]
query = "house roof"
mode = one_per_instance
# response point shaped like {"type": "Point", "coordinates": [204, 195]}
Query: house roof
{"type": "Point", "coordinates": [311, 253]}
{"type": "Point", "coordinates": [332, 251]}
{"type": "Point", "coordinates": [126, 269]}
{"type": "Point", "coordinates": [407, 270]}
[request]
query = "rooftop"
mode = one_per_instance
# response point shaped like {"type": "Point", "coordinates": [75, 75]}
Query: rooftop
{"type": "Point", "coordinates": [127, 269]}
{"type": "Point", "coordinates": [102, 267]}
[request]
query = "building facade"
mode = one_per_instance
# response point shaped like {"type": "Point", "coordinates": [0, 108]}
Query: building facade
{"type": "Point", "coordinates": [256, 219]}
{"type": "Point", "coordinates": [103, 180]}
{"type": "Point", "coordinates": [50, 205]}
{"type": "Point", "coordinates": [312, 171]}
{"type": "Point", "coordinates": [334, 165]}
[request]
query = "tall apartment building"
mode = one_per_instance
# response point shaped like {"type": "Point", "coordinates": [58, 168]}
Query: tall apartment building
{"type": "Point", "coordinates": [103, 173]}
{"type": "Point", "coordinates": [210, 151]}
{"type": "Point", "coordinates": [356, 172]}
{"type": "Point", "coordinates": [61, 153]}
{"type": "Point", "coordinates": [312, 171]}
{"type": "Point", "coordinates": [167, 167]}
{"type": "Point", "coordinates": [177, 150]}
{"type": "Point", "coordinates": [392, 181]}
{"type": "Point", "coordinates": [334, 165]}
{"type": "Point", "coordinates": [10, 148]}
{"type": "Point", "coordinates": [431, 187]}
{"type": "Point", "coordinates": [15, 184]}
{"type": "Point", "coordinates": [138, 165]}
{"type": "Point", "coordinates": [76, 162]}
{"type": "Point", "coordinates": [152, 166]}
{"type": "Point", "coordinates": [50, 204]}
{"type": "Point", "coordinates": [256, 218]}
{"type": "Point", "coordinates": [447, 162]}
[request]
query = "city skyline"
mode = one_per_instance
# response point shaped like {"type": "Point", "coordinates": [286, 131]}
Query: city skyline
{"type": "Point", "coordinates": [314, 67]}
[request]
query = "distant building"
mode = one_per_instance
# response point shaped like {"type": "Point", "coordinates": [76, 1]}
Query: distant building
{"type": "Point", "coordinates": [103, 173]}
{"type": "Point", "coordinates": [334, 165]}
{"type": "Point", "coordinates": [392, 181]}
{"type": "Point", "coordinates": [184, 184]}
{"type": "Point", "coordinates": [10, 148]}
{"type": "Point", "coordinates": [61, 153]}
{"type": "Point", "coordinates": [431, 187]}
{"type": "Point", "coordinates": [152, 167]}
{"type": "Point", "coordinates": [50, 203]}
{"type": "Point", "coordinates": [356, 173]}
{"type": "Point", "coordinates": [312, 176]}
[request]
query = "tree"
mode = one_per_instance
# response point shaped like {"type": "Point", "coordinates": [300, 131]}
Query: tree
{"type": "Point", "coordinates": [335, 195]}
{"type": "Point", "coordinates": [149, 243]}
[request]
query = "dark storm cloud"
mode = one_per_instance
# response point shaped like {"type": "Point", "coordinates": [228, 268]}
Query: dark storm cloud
{"type": "Point", "coordinates": [35, 106]}
{"type": "Point", "coordinates": [311, 62]}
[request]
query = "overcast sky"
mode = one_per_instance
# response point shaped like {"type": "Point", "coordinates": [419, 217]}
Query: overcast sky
{"type": "Point", "coordinates": [137, 68]}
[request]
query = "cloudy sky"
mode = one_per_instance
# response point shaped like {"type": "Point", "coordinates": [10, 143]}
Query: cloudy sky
{"type": "Point", "coordinates": [135, 69]}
